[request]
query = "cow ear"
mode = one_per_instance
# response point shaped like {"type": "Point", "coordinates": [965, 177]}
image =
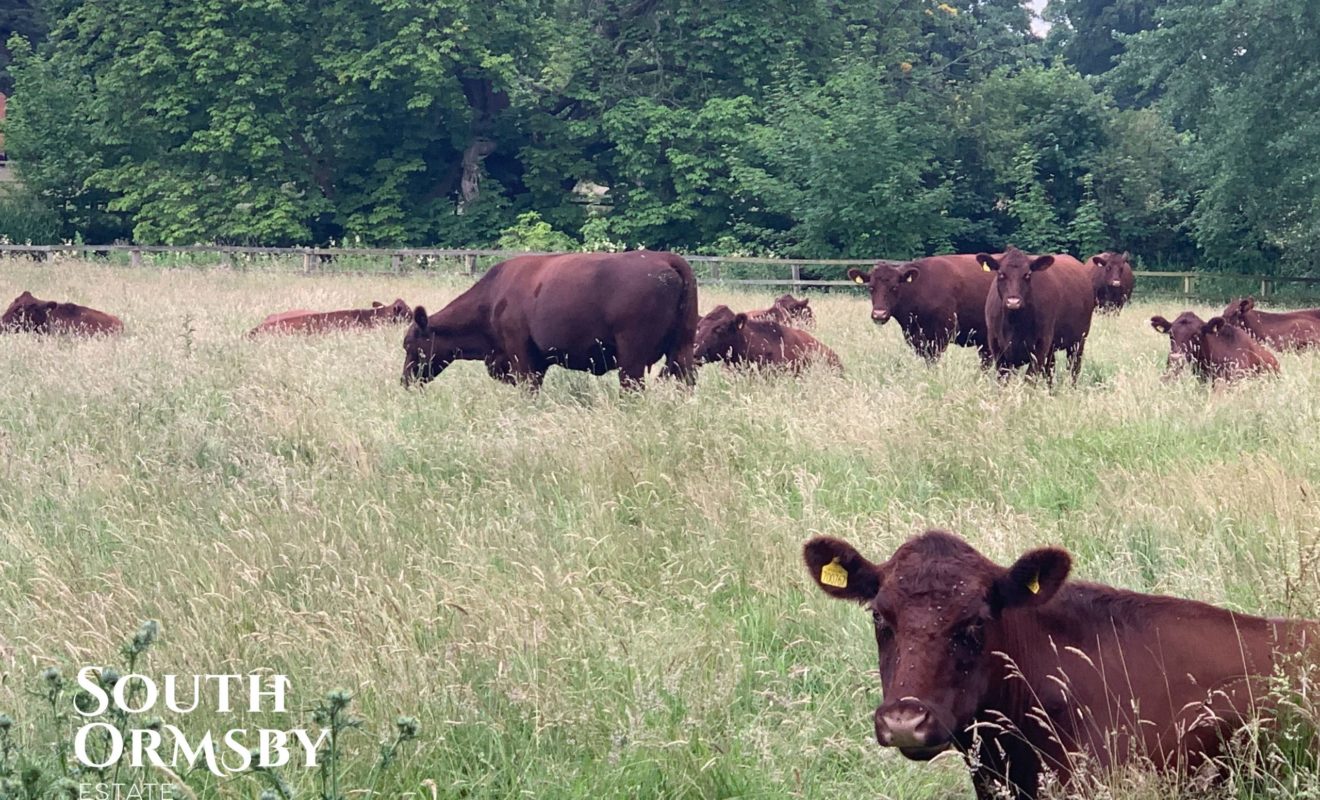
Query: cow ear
{"type": "Point", "coordinates": [987, 262]}
{"type": "Point", "coordinates": [739, 321]}
{"type": "Point", "coordinates": [1032, 580]}
{"type": "Point", "coordinates": [1041, 263]}
{"type": "Point", "coordinates": [908, 275]}
{"type": "Point", "coordinates": [50, 305]}
{"type": "Point", "coordinates": [857, 276]}
{"type": "Point", "coordinates": [420, 318]}
{"type": "Point", "coordinates": [377, 304]}
{"type": "Point", "coordinates": [840, 571]}
{"type": "Point", "coordinates": [1248, 304]}
{"type": "Point", "coordinates": [1213, 325]}
{"type": "Point", "coordinates": [1099, 261]}
{"type": "Point", "coordinates": [1127, 256]}
{"type": "Point", "coordinates": [1160, 324]}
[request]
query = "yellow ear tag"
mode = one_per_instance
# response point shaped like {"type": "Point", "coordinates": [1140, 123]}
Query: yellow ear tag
{"type": "Point", "coordinates": [909, 279]}
{"type": "Point", "coordinates": [834, 575]}
{"type": "Point", "coordinates": [1034, 586]}
{"type": "Point", "coordinates": [859, 280]}
{"type": "Point", "coordinates": [985, 267]}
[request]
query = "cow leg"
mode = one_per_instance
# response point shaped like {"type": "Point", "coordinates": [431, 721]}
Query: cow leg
{"type": "Point", "coordinates": [632, 378]}
{"type": "Point", "coordinates": [679, 364]}
{"type": "Point", "coordinates": [1075, 360]}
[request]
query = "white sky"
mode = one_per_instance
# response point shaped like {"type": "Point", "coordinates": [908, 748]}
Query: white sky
{"type": "Point", "coordinates": [1038, 25]}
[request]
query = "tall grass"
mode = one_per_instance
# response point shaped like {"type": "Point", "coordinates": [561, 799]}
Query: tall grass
{"type": "Point", "coordinates": [583, 593]}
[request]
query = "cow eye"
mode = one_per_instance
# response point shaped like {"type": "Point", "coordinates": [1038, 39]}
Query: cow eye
{"type": "Point", "coordinates": [968, 638]}
{"type": "Point", "coordinates": [881, 626]}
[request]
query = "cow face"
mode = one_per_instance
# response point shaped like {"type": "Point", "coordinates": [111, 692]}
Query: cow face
{"type": "Point", "coordinates": [1236, 313]}
{"type": "Point", "coordinates": [888, 285]}
{"type": "Point", "coordinates": [27, 313]}
{"type": "Point", "coordinates": [795, 309]}
{"type": "Point", "coordinates": [398, 311]}
{"type": "Point", "coordinates": [1186, 336]}
{"type": "Point", "coordinates": [1112, 267]}
{"type": "Point", "coordinates": [1013, 283]}
{"type": "Point", "coordinates": [718, 334]}
{"type": "Point", "coordinates": [428, 348]}
{"type": "Point", "coordinates": [938, 608]}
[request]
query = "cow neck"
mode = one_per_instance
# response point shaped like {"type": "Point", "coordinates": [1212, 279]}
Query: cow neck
{"type": "Point", "coordinates": [467, 320]}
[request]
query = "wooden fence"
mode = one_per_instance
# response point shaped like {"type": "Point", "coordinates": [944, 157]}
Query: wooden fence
{"type": "Point", "coordinates": [401, 260]}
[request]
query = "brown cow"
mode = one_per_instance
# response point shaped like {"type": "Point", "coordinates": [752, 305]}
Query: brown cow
{"type": "Point", "coordinates": [1215, 349]}
{"type": "Point", "coordinates": [592, 312]}
{"type": "Point", "coordinates": [1291, 330]}
{"type": "Point", "coordinates": [1037, 305]}
{"type": "Point", "coordinates": [935, 301]}
{"type": "Point", "coordinates": [1112, 278]}
{"type": "Point", "coordinates": [1019, 668]}
{"type": "Point", "coordinates": [788, 310]}
{"type": "Point", "coordinates": [739, 339]}
{"type": "Point", "coordinates": [27, 313]}
{"type": "Point", "coordinates": [300, 321]}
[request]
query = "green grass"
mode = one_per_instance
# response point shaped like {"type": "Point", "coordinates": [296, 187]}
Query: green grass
{"type": "Point", "coordinates": [585, 594]}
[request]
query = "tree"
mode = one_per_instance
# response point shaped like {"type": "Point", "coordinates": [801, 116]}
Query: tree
{"type": "Point", "coordinates": [21, 18]}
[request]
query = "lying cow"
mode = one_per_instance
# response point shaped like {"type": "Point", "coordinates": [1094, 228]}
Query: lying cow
{"type": "Point", "coordinates": [27, 313]}
{"type": "Point", "coordinates": [592, 312]}
{"type": "Point", "coordinates": [1037, 305]}
{"type": "Point", "coordinates": [935, 300]}
{"type": "Point", "coordinates": [1291, 330]}
{"type": "Point", "coordinates": [1215, 349]}
{"type": "Point", "coordinates": [1018, 668]}
{"type": "Point", "coordinates": [302, 321]}
{"type": "Point", "coordinates": [1112, 279]}
{"type": "Point", "coordinates": [788, 310]}
{"type": "Point", "coordinates": [739, 339]}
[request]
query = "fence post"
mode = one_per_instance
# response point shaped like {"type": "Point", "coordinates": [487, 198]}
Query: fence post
{"type": "Point", "coordinates": [307, 260]}
{"type": "Point", "coordinates": [135, 257]}
{"type": "Point", "coordinates": [1187, 284]}
{"type": "Point", "coordinates": [715, 270]}
{"type": "Point", "coordinates": [1264, 286]}
{"type": "Point", "coordinates": [396, 263]}
{"type": "Point", "coordinates": [797, 277]}
{"type": "Point", "coordinates": [470, 263]}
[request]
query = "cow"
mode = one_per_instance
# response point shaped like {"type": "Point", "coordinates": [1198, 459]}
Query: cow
{"type": "Point", "coordinates": [27, 313]}
{"type": "Point", "coordinates": [788, 310]}
{"type": "Point", "coordinates": [1291, 330]}
{"type": "Point", "coordinates": [739, 339]}
{"type": "Point", "coordinates": [1020, 669]}
{"type": "Point", "coordinates": [935, 301]}
{"type": "Point", "coordinates": [1037, 305]}
{"type": "Point", "coordinates": [302, 321]}
{"type": "Point", "coordinates": [1216, 350]}
{"type": "Point", "coordinates": [591, 312]}
{"type": "Point", "coordinates": [1111, 275]}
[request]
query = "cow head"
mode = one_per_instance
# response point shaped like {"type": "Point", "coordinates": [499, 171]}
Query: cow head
{"type": "Point", "coordinates": [1112, 268]}
{"type": "Point", "coordinates": [795, 309]}
{"type": "Point", "coordinates": [888, 286]}
{"type": "Point", "coordinates": [718, 334]}
{"type": "Point", "coordinates": [28, 313]}
{"type": "Point", "coordinates": [939, 611]}
{"type": "Point", "coordinates": [1186, 336]}
{"type": "Point", "coordinates": [1236, 313]}
{"type": "Point", "coordinates": [398, 311]}
{"type": "Point", "coordinates": [1013, 283]}
{"type": "Point", "coordinates": [430, 346]}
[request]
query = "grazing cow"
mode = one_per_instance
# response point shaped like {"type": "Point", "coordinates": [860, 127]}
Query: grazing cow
{"type": "Point", "coordinates": [788, 310]}
{"type": "Point", "coordinates": [301, 321]}
{"type": "Point", "coordinates": [1112, 277]}
{"type": "Point", "coordinates": [935, 301]}
{"type": "Point", "coordinates": [739, 339]}
{"type": "Point", "coordinates": [1215, 349]}
{"type": "Point", "coordinates": [592, 312]}
{"type": "Point", "coordinates": [1019, 669]}
{"type": "Point", "coordinates": [1035, 306]}
{"type": "Point", "coordinates": [1291, 330]}
{"type": "Point", "coordinates": [27, 313]}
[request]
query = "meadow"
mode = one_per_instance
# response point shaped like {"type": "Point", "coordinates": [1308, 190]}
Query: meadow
{"type": "Point", "coordinates": [585, 593]}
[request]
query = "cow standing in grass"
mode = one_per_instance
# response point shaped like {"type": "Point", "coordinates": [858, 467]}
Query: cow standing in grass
{"type": "Point", "coordinates": [1022, 670]}
{"type": "Point", "coordinates": [592, 312]}
{"type": "Point", "coordinates": [935, 301]}
{"type": "Point", "coordinates": [1037, 305]}
{"type": "Point", "coordinates": [1289, 330]}
{"type": "Point", "coordinates": [1215, 350]}
{"type": "Point", "coordinates": [27, 313]}
{"type": "Point", "coordinates": [1113, 280]}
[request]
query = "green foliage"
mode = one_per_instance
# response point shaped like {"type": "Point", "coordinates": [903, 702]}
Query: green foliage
{"type": "Point", "coordinates": [1087, 230]}
{"type": "Point", "coordinates": [1038, 228]}
{"type": "Point", "coordinates": [23, 18]}
{"type": "Point", "coordinates": [25, 219]}
{"type": "Point", "coordinates": [534, 234]}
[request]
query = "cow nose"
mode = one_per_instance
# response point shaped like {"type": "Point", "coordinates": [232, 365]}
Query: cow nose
{"type": "Point", "coordinates": [880, 315]}
{"type": "Point", "coordinates": [1012, 302]}
{"type": "Point", "coordinates": [1115, 284]}
{"type": "Point", "coordinates": [902, 724]}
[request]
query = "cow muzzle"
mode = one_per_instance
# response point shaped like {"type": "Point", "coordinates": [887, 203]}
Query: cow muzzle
{"type": "Point", "coordinates": [909, 726]}
{"type": "Point", "coordinates": [1013, 303]}
{"type": "Point", "coordinates": [1116, 283]}
{"type": "Point", "coordinates": [880, 315]}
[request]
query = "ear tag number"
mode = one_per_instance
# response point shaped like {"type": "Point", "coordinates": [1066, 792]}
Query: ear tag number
{"type": "Point", "coordinates": [834, 575]}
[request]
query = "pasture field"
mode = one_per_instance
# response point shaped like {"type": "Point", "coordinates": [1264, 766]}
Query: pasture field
{"type": "Point", "coordinates": [585, 594]}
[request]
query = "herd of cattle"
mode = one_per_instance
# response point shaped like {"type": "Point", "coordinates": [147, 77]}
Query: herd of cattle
{"type": "Point", "coordinates": [1022, 671]}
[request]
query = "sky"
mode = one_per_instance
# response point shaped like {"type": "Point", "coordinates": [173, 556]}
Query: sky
{"type": "Point", "coordinates": [1038, 25]}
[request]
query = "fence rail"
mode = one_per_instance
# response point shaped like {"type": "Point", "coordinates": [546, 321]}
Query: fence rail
{"type": "Point", "coordinates": [314, 257]}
